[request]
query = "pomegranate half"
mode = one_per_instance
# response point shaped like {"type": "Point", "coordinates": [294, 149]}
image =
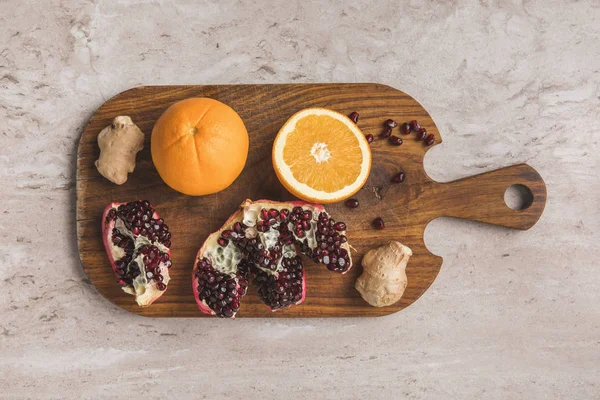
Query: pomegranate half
{"type": "Point", "coordinates": [137, 243]}
{"type": "Point", "coordinates": [262, 241]}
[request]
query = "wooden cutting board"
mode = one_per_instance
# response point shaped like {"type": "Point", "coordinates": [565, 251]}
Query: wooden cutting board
{"type": "Point", "coordinates": [406, 208]}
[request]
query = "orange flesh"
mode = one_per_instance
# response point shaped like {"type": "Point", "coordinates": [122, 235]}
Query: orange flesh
{"type": "Point", "coordinates": [345, 158]}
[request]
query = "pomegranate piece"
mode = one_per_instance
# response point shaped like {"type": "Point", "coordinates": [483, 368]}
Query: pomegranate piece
{"type": "Point", "coordinates": [399, 178]}
{"type": "Point", "coordinates": [395, 140]}
{"type": "Point", "coordinates": [414, 125]}
{"type": "Point", "coordinates": [353, 116]}
{"type": "Point", "coordinates": [385, 133]}
{"type": "Point", "coordinates": [264, 247]}
{"type": "Point", "coordinates": [369, 138]}
{"type": "Point", "coordinates": [137, 243]}
{"type": "Point", "coordinates": [405, 128]}
{"type": "Point", "coordinates": [378, 223]}
{"type": "Point", "coordinates": [430, 139]}
{"type": "Point", "coordinates": [351, 203]}
{"type": "Point", "coordinates": [390, 123]}
{"type": "Point", "coordinates": [421, 134]}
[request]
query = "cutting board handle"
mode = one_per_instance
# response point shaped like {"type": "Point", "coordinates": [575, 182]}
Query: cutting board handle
{"type": "Point", "coordinates": [481, 197]}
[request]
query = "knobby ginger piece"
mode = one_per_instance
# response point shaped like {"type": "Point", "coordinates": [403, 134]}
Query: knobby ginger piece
{"type": "Point", "coordinates": [119, 144]}
{"type": "Point", "coordinates": [383, 280]}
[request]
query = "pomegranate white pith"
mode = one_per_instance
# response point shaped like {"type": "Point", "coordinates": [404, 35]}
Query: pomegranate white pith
{"type": "Point", "coordinates": [137, 243]}
{"type": "Point", "coordinates": [262, 241]}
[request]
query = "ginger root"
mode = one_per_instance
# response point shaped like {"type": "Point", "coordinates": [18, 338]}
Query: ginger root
{"type": "Point", "coordinates": [383, 280]}
{"type": "Point", "coordinates": [119, 144]}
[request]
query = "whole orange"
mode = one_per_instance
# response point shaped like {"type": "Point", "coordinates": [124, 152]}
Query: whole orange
{"type": "Point", "coordinates": [199, 146]}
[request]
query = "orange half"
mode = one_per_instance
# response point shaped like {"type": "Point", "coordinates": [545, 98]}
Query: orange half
{"type": "Point", "coordinates": [321, 156]}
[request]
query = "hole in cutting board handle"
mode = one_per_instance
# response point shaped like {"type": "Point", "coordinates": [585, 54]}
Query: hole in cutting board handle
{"type": "Point", "coordinates": [518, 197]}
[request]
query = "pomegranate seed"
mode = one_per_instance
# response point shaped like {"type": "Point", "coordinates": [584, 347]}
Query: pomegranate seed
{"type": "Point", "coordinates": [351, 203]}
{"type": "Point", "coordinates": [238, 227]}
{"type": "Point", "coordinates": [369, 138]}
{"type": "Point", "coordinates": [273, 213]}
{"type": "Point", "coordinates": [161, 286]}
{"type": "Point", "coordinates": [264, 214]}
{"type": "Point", "coordinates": [414, 125]}
{"type": "Point", "coordinates": [421, 134]}
{"type": "Point", "coordinates": [307, 215]}
{"type": "Point", "coordinates": [378, 223]}
{"type": "Point", "coordinates": [390, 123]}
{"type": "Point", "coordinates": [223, 242]}
{"type": "Point", "coordinates": [340, 226]}
{"type": "Point", "coordinates": [284, 213]}
{"type": "Point", "coordinates": [395, 140]}
{"type": "Point", "coordinates": [305, 225]}
{"type": "Point", "coordinates": [430, 139]}
{"type": "Point", "coordinates": [353, 116]}
{"type": "Point", "coordinates": [122, 282]}
{"type": "Point", "coordinates": [385, 133]}
{"type": "Point", "coordinates": [405, 128]}
{"type": "Point", "coordinates": [227, 234]}
{"type": "Point", "coordinates": [399, 178]}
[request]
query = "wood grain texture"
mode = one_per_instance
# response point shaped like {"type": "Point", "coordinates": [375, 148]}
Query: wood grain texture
{"type": "Point", "coordinates": [406, 208]}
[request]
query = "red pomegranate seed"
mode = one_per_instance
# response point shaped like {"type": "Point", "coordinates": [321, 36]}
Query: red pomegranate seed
{"type": "Point", "coordinates": [351, 203]}
{"type": "Point", "coordinates": [340, 226]}
{"type": "Point", "coordinates": [390, 123]}
{"type": "Point", "coordinates": [161, 286]}
{"type": "Point", "coordinates": [399, 178]}
{"type": "Point", "coordinates": [369, 138]}
{"type": "Point", "coordinates": [378, 223]}
{"type": "Point", "coordinates": [430, 139]}
{"type": "Point", "coordinates": [238, 227]}
{"type": "Point", "coordinates": [353, 116]}
{"type": "Point", "coordinates": [421, 134]}
{"type": "Point", "coordinates": [414, 125]}
{"type": "Point", "coordinates": [405, 128]}
{"type": "Point", "coordinates": [273, 213]}
{"type": "Point", "coordinates": [385, 133]}
{"type": "Point", "coordinates": [264, 214]}
{"type": "Point", "coordinates": [395, 140]}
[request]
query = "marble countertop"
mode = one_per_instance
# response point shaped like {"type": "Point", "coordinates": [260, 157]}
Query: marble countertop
{"type": "Point", "coordinates": [511, 315]}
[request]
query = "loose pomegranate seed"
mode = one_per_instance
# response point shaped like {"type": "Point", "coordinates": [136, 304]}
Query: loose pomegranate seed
{"type": "Point", "coordinates": [399, 178]}
{"type": "Point", "coordinates": [405, 128]}
{"type": "Point", "coordinates": [369, 138]}
{"type": "Point", "coordinates": [414, 125]}
{"type": "Point", "coordinates": [353, 116]}
{"type": "Point", "coordinates": [351, 203]}
{"type": "Point", "coordinates": [385, 133]}
{"type": "Point", "coordinates": [395, 140]}
{"type": "Point", "coordinates": [390, 123]}
{"type": "Point", "coordinates": [378, 223]}
{"type": "Point", "coordinates": [421, 134]}
{"type": "Point", "coordinates": [430, 139]}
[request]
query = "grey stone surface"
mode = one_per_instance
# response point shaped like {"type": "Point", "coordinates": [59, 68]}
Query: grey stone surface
{"type": "Point", "coordinates": [511, 315]}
